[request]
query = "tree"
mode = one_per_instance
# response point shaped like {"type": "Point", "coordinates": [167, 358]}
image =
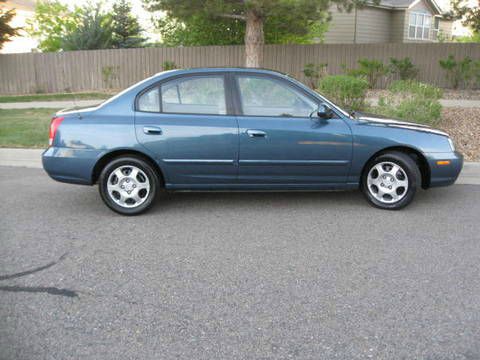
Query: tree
{"type": "Point", "coordinates": [127, 32]}
{"type": "Point", "coordinates": [6, 30]}
{"type": "Point", "coordinates": [200, 30]}
{"type": "Point", "coordinates": [51, 23]}
{"type": "Point", "coordinates": [95, 30]}
{"type": "Point", "coordinates": [296, 17]}
{"type": "Point", "coordinates": [470, 16]}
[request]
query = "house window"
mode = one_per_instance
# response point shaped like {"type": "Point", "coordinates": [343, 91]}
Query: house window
{"type": "Point", "coordinates": [419, 26]}
{"type": "Point", "coordinates": [436, 28]}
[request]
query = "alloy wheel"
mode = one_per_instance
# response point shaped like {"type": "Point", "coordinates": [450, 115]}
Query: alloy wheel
{"type": "Point", "coordinates": [128, 186]}
{"type": "Point", "coordinates": [387, 182]}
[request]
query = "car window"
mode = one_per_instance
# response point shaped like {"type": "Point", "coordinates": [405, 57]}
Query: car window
{"type": "Point", "coordinates": [194, 95]}
{"type": "Point", "coordinates": [261, 96]}
{"type": "Point", "coordinates": [149, 101]}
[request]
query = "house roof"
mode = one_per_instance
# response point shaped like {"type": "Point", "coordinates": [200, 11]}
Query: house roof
{"type": "Point", "coordinates": [405, 4]}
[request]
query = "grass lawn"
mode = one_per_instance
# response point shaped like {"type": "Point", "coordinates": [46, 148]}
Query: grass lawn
{"type": "Point", "coordinates": [54, 97]}
{"type": "Point", "coordinates": [25, 127]}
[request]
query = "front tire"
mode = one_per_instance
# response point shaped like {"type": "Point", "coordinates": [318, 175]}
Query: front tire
{"type": "Point", "coordinates": [390, 181]}
{"type": "Point", "coordinates": [128, 185]}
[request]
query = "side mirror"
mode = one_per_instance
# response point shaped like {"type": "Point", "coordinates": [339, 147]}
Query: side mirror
{"type": "Point", "coordinates": [324, 111]}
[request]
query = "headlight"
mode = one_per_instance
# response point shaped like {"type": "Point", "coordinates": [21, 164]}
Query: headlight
{"type": "Point", "coordinates": [452, 146]}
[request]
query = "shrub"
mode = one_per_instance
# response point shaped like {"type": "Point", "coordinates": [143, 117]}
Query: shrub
{"type": "Point", "coordinates": [346, 91]}
{"type": "Point", "coordinates": [464, 72]}
{"type": "Point", "coordinates": [403, 68]}
{"type": "Point", "coordinates": [314, 72]}
{"type": "Point", "coordinates": [451, 68]}
{"type": "Point", "coordinates": [168, 65]}
{"type": "Point", "coordinates": [412, 100]}
{"type": "Point", "coordinates": [109, 75]}
{"type": "Point", "coordinates": [371, 70]}
{"type": "Point", "coordinates": [467, 71]}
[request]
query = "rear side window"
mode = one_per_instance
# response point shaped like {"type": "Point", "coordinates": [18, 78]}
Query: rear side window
{"type": "Point", "coordinates": [149, 101]}
{"type": "Point", "coordinates": [194, 95]}
{"type": "Point", "coordinates": [261, 96]}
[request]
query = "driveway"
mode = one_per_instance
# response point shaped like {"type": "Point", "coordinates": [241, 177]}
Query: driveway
{"type": "Point", "coordinates": [237, 276]}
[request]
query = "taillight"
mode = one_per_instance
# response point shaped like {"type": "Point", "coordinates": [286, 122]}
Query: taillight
{"type": "Point", "coordinates": [56, 121]}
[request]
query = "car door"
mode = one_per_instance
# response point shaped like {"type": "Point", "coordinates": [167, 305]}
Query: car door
{"type": "Point", "coordinates": [280, 142]}
{"type": "Point", "coordinates": [185, 122]}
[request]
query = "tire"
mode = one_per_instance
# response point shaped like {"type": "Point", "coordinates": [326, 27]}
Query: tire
{"type": "Point", "coordinates": [128, 185]}
{"type": "Point", "coordinates": [390, 181]}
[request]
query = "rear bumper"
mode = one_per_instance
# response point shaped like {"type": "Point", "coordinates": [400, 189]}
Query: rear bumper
{"type": "Point", "coordinates": [444, 175]}
{"type": "Point", "coordinates": [69, 165]}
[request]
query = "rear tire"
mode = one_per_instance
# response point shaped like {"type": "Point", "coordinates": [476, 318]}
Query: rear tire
{"type": "Point", "coordinates": [390, 181]}
{"type": "Point", "coordinates": [128, 185]}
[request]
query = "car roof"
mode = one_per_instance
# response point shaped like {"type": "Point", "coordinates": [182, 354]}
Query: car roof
{"type": "Point", "coordinates": [220, 69]}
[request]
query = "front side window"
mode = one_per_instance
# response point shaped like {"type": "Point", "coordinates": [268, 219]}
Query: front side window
{"type": "Point", "coordinates": [262, 96]}
{"type": "Point", "coordinates": [149, 101]}
{"type": "Point", "coordinates": [419, 26]}
{"type": "Point", "coordinates": [194, 95]}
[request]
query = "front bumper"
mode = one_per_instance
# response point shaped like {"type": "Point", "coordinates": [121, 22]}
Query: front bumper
{"type": "Point", "coordinates": [447, 174]}
{"type": "Point", "coordinates": [69, 165]}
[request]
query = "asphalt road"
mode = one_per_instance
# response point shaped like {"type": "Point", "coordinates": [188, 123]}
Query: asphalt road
{"type": "Point", "coordinates": [237, 276]}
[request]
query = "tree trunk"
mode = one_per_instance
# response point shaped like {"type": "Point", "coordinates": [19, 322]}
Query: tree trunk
{"type": "Point", "coordinates": [254, 40]}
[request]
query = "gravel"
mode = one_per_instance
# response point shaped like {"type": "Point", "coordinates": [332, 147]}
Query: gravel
{"type": "Point", "coordinates": [447, 94]}
{"type": "Point", "coordinates": [463, 125]}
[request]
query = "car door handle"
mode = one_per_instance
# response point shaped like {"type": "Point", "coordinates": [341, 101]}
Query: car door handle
{"type": "Point", "coordinates": [152, 130]}
{"type": "Point", "coordinates": [256, 133]}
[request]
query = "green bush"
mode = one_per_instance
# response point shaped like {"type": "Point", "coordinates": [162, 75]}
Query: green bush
{"type": "Point", "coordinates": [346, 91]}
{"type": "Point", "coordinates": [450, 66]}
{"type": "Point", "coordinates": [464, 72]}
{"type": "Point", "coordinates": [168, 65]}
{"type": "Point", "coordinates": [412, 101]}
{"type": "Point", "coordinates": [403, 68]}
{"type": "Point", "coordinates": [371, 70]}
{"type": "Point", "coordinates": [314, 72]}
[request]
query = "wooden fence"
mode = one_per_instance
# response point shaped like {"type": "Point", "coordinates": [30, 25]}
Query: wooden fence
{"type": "Point", "coordinates": [103, 69]}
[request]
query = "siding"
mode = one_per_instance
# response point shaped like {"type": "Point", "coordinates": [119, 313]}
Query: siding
{"type": "Point", "coordinates": [399, 26]}
{"type": "Point", "coordinates": [373, 25]}
{"type": "Point", "coordinates": [341, 28]}
{"type": "Point", "coordinates": [445, 27]}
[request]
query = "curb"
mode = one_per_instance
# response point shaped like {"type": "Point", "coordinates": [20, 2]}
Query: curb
{"type": "Point", "coordinates": [50, 104]}
{"type": "Point", "coordinates": [32, 158]}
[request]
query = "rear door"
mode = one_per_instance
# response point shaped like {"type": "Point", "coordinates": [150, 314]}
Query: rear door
{"type": "Point", "coordinates": [282, 141]}
{"type": "Point", "coordinates": [185, 122]}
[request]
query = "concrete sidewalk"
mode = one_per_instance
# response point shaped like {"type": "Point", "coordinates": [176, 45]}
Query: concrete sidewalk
{"type": "Point", "coordinates": [50, 104]}
{"type": "Point", "coordinates": [31, 158]}
{"type": "Point", "coordinates": [84, 103]}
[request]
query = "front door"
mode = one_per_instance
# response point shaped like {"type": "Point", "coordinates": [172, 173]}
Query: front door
{"type": "Point", "coordinates": [184, 122]}
{"type": "Point", "coordinates": [281, 143]}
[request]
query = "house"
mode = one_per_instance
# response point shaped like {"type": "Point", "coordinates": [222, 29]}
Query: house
{"type": "Point", "coordinates": [24, 9]}
{"type": "Point", "coordinates": [391, 21]}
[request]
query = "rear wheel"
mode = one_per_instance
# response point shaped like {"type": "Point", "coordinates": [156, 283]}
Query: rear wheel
{"type": "Point", "coordinates": [391, 180]}
{"type": "Point", "coordinates": [128, 185]}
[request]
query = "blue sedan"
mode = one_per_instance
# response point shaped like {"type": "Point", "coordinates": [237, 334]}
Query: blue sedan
{"type": "Point", "coordinates": [241, 129]}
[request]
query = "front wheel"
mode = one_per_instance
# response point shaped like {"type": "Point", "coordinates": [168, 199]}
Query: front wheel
{"type": "Point", "coordinates": [128, 185]}
{"type": "Point", "coordinates": [391, 180]}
